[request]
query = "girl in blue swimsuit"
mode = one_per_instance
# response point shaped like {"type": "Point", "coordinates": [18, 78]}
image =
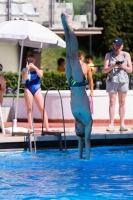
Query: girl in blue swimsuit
{"type": "Point", "coordinates": [31, 75]}
{"type": "Point", "coordinates": [79, 101]}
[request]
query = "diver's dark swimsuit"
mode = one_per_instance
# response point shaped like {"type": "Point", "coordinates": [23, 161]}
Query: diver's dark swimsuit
{"type": "Point", "coordinates": [73, 83]}
{"type": "Point", "coordinates": [33, 82]}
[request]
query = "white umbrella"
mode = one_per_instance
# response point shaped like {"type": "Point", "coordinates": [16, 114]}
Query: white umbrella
{"type": "Point", "coordinates": [31, 34]}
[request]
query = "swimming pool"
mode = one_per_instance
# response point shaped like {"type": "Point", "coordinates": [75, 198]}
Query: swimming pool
{"type": "Point", "coordinates": [51, 174]}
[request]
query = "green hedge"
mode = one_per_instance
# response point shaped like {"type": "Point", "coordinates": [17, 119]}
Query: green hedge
{"type": "Point", "coordinates": [49, 79]}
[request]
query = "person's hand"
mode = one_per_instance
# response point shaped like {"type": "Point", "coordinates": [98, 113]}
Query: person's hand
{"type": "Point", "coordinates": [91, 94]}
{"type": "Point", "coordinates": [32, 66]}
{"type": "Point", "coordinates": [27, 66]}
{"type": "Point", "coordinates": [115, 65]}
{"type": "Point", "coordinates": [121, 66]}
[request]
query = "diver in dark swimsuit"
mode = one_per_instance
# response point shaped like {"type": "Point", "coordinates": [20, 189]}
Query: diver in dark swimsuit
{"type": "Point", "coordinates": [79, 101]}
{"type": "Point", "coordinates": [31, 75]}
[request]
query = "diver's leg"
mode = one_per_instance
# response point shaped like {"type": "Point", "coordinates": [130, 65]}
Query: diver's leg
{"type": "Point", "coordinates": [68, 68]}
{"type": "Point", "coordinates": [80, 146]}
{"type": "Point", "coordinates": [88, 129]}
{"type": "Point", "coordinates": [73, 46]}
{"type": "Point", "coordinates": [74, 61]}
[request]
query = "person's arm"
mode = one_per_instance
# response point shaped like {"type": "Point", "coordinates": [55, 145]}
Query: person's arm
{"type": "Point", "coordinates": [25, 72]}
{"type": "Point", "coordinates": [94, 70]}
{"type": "Point", "coordinates": [2, 88]}
{"type": "Point", "coordinates": [127, 68]}
{"type": "Point", "coordinates": [2, 85]}
{"type": "Point", "coordinates": [106, 67]}
{"type": "Point", "coordinates": [90, 80]}
{"type": "Point", "coordinates": [39, 71]}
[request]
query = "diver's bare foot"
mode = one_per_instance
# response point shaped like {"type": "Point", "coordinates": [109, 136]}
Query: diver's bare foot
{"type": "Point", "coordinates": [66, 21]}
{"type": "Point", "coordinates": [63, 21]}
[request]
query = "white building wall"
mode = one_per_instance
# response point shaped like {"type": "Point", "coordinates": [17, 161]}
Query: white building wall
{"type": "Point", "coordinates": [9, 57]}
{"type": "Point", "coordinates": [53, 106]}
{"type": "Point", "coordinates": [10, 53]}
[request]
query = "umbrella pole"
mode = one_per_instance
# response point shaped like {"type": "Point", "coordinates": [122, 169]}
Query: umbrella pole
{"type": "Point", "coordinates": [19, 72]}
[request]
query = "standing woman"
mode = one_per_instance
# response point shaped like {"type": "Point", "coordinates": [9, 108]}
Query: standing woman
{"type": "Point", "coordinates": [117, 64]}
{"type": "Point", "coordinates": [2, 85]}
{"type": "Point", "coordinates": [31, 75]}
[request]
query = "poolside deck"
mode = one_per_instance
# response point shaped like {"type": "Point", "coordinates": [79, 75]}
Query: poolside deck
{"type": "Point", "coordinates": [99, 136]}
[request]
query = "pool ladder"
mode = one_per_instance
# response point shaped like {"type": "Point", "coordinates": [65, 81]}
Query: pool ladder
{"type": "Point", "coordinates": [58, 134]}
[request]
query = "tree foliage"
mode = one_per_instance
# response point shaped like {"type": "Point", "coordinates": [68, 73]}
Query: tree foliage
{"type": "Point", "coordinates": [116, 17]}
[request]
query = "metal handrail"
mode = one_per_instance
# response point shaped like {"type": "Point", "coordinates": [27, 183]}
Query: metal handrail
{"type": "Point", "coordinates": [31, 114]}
{"type": "Point", "coordinates": [63, 121]}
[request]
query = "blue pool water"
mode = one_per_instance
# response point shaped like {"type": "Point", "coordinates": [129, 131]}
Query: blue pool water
{"type": "Point", "coordinates": [51, 174]}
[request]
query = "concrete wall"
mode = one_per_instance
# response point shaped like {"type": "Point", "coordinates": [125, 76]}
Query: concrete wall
{"type": "Point", "coordinates": [53, 106]}
{"type": "Point", "coordinates": [9, 57]}
{"type": "Point", "coordinates": [40, 6]}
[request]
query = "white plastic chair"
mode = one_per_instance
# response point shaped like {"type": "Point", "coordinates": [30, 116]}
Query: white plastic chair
{"type": "Point", "coordinates": [28, 9]}
{"type": "Point", "coordinates": [69, 11]}
{"type": "Point", "coordinates": [59, 5]}
{"type": "Point", "coordinates": [3, 1]}
{"type": "Point", "coordinates": [63, 7]}
{"type": "Point", "coordinates": [2, 12]}
{"type": "Point", "coordinates": [81, 20]}
{"type": "Point", "coordinates": [69, 5]}
{"type": "Point", "coordinates": [17, 1]}
{"type": "Point", "coordinates": [77, 24]}
{"type": "Point", "coordinates": [15, 10]}
{"type": "Point", "coordinates": [57, 21]}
